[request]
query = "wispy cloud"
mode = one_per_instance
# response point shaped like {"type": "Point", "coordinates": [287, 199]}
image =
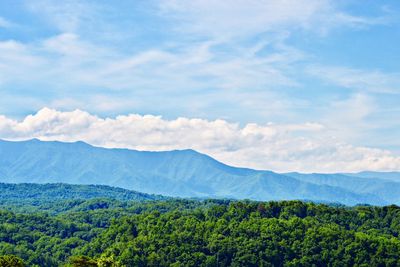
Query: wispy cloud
{"type": "Point", "coordinates": [213, 50]}
{"type": "Point", "coordinates": [4, 23]}
{"type": "Point", "coordinates": [239, 18]}
{"type": "Point", "coordinates": [66, 16]}
{"type": "Point", "coordinates": [65, 61]}
{"type": "Point", "coordinates": [359, 80]}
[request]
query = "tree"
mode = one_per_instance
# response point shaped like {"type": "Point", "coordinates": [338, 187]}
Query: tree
{"type": "Point", "coordinates": [82, 261]}
{"type": "Point", "coordinates": [11, 261]}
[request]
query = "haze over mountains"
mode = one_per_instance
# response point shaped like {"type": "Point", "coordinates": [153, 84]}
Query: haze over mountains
{"type": "Point", "coordinates": [184, 173]}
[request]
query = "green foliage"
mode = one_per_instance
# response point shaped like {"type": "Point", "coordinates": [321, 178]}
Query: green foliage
{"type": "Point", "coordinates": [11, 261]}
{"type": "Point", "coordinates": [82, 261]}
{"type": "Point", "coordinates": [204, 233]}
{"type": "Point", "coordinates": [56, 198]}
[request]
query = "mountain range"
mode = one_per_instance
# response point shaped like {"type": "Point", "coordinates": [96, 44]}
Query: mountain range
{"type": "Point", "coordinates": [184, 173]}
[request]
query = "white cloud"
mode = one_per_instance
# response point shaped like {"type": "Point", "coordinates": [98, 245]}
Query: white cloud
{"type": "Point", "coordinates": [349, 118]}
{"type": "Point", "coordinates": [100, 103]}
{"type": "Point", "coordinates": [280, 147]}
{"type": "Point", "coordinates": [67, 16]}
{"type": "Point", "coordinates": [239, 18]}
{"type": "Point", "coordinates": [16, 59]}
{"type": "Point", "coordinates": [5, 23]}
{"type": "Point", "coordinates": [67, 44]}
{"type": "Point", "coordinates": [360, 80]}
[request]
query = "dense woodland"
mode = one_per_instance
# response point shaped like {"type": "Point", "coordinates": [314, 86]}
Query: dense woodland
{"type": "Point", "coordinates": [177, 232]}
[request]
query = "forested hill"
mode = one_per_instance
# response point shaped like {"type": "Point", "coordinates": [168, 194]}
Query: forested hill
{"type": "Point", "coordinates": [58, 191]}
{"type": "Point", "coordinates": [203, 233]}
{"type": "Point", "coordinates": [55, 198]}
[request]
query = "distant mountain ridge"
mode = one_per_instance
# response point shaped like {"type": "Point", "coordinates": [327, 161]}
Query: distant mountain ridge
{"type": "Point", "coordinates": [392, 176]}
{"type": "Point", "coordinates": [183, 173]}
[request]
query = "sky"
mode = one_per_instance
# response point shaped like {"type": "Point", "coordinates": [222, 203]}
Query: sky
{"type": "Point", "coordinates": [290, 85]}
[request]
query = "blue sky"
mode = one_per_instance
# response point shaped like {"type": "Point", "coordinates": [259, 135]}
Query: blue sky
{"type": "Point", "coordinates": [332, 63]}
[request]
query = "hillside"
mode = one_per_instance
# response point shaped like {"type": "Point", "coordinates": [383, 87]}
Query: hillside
{"type": "Point", "coordinates": [9, 192]}
{"type": "Point", "coordinates": [204, 233]}
{"type": "Point", "coordinates": [183, 173]}
{"type": "Point", "coordinates": [58, 198]}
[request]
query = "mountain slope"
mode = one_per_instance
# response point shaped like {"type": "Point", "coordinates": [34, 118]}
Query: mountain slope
{"type": "Point", "coordinates": [393, 176]}
{"type": "Point", "coordinates": [184, 173]}
{"type": "Point", "coordinates": [384, 189]}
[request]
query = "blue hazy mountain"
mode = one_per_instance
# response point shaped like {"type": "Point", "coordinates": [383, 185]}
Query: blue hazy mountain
{"type": "Point", "coordinates": [393, 176]}
{"type": "Point", "coordinates": [385, 189]}
{"type": "Point", "coordinates": [183, 173]}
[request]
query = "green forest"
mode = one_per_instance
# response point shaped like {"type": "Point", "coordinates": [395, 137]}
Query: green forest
{"type": "Point", "coordinates": [180, 232]}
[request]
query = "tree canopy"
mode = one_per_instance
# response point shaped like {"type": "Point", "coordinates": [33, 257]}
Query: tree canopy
{"type": "Point", "coordinates": [102, 232]}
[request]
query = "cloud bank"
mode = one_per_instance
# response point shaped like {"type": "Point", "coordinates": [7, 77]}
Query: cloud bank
{"type": "Point", "coordinates": [306, 147]}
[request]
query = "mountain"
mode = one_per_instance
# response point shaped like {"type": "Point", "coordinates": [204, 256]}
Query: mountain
{"type": "Point", "coordinates": [385, 189]}
{"type": "Point", "coordinates": [183, 173]}
{"type": "Point", "coordinates": [393, 176]}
